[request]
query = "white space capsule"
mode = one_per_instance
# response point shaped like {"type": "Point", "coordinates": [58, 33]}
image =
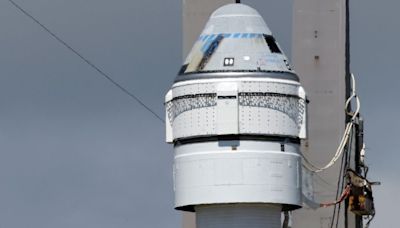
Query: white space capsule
{"type": "Point", "coordinates": [235, 114]}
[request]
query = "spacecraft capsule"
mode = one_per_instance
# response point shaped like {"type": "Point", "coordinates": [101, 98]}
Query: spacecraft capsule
{"type": "Point", "coordinates": [235, 114]}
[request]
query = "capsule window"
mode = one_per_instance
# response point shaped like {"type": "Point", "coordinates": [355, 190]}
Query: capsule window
{"type": "Point", "coordinates": [183, 69]}
{"type": "Point", "coordinates": [210, 51]}
{"type": "Point", "coordinates": [272, 44]}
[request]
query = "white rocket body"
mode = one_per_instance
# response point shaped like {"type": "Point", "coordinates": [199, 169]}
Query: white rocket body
{"type": "Point", "coordinates": [236, 114]}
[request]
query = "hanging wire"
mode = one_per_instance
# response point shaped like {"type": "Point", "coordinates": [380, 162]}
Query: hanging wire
{"type": "Point", "coordinates": [87, 61]}
{"type": "Point", "coordinates": [345, 138]}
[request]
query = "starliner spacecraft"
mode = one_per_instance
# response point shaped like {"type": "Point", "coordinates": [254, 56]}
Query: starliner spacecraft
{"type": "Point", "coordinates": [236, 114]}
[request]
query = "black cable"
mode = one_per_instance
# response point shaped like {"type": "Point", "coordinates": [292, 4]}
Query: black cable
{"type": "Point", "coordinates": [87, 61]}
{"type": "Point", "coordinates": [347, 165]}
{"type": "Point", "coordinates": [347, 159]}
{"type": "Point", "coordinates": [339, 187]}
{"type": "Point", "coordinates": [341, 178]}
{"type": "Point", "coordinates": [344, 165]}
{"type": "Point", "coordinates": [338, 215]}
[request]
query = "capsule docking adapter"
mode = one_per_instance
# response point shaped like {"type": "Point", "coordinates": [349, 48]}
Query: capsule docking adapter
{"type": "Point", "coordinates": [236, 114]}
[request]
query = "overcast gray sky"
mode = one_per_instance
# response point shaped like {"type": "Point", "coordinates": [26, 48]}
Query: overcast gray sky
{"type": "Point", "coordinates": [76, 152]}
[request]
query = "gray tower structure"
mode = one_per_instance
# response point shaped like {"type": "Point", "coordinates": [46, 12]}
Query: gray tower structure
{"type": "Point", "coordinates": [319, 57]}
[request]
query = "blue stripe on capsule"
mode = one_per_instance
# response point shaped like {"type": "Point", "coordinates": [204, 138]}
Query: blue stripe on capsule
{"type": "Point", "coordinates": [211, 37]}
{"type": "Point", "coordinates": [252, 35]}
{"type": "Point", "coordinates": [236, 35]}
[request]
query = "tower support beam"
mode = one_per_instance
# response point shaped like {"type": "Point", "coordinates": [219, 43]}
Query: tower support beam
{"type": "Point", "coordinates": [320, 51]}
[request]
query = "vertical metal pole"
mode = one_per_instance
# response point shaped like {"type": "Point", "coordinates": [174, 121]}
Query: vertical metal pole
{"type": "Point", "coordinates": [358, 140]}
{"type": "Point", "coordinates": [348, 89]}
{"type": "Point", "coordinates": [348, 71]}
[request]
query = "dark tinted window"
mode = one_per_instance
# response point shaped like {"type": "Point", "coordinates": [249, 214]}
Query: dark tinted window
{"type": "Point", "coordinates": [272, 44]}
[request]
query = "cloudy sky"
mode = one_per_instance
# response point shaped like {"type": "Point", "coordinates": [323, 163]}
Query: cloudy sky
{"type": "Point", "coordinates": [76, 152]}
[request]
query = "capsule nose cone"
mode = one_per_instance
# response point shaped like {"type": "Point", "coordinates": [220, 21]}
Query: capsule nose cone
{"type": "Point", "coordinates": [236, 18]}
{"type": "Point", "coordinates": [235, 40]}
{"type": "Point", "coordinates": [234, 10]}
